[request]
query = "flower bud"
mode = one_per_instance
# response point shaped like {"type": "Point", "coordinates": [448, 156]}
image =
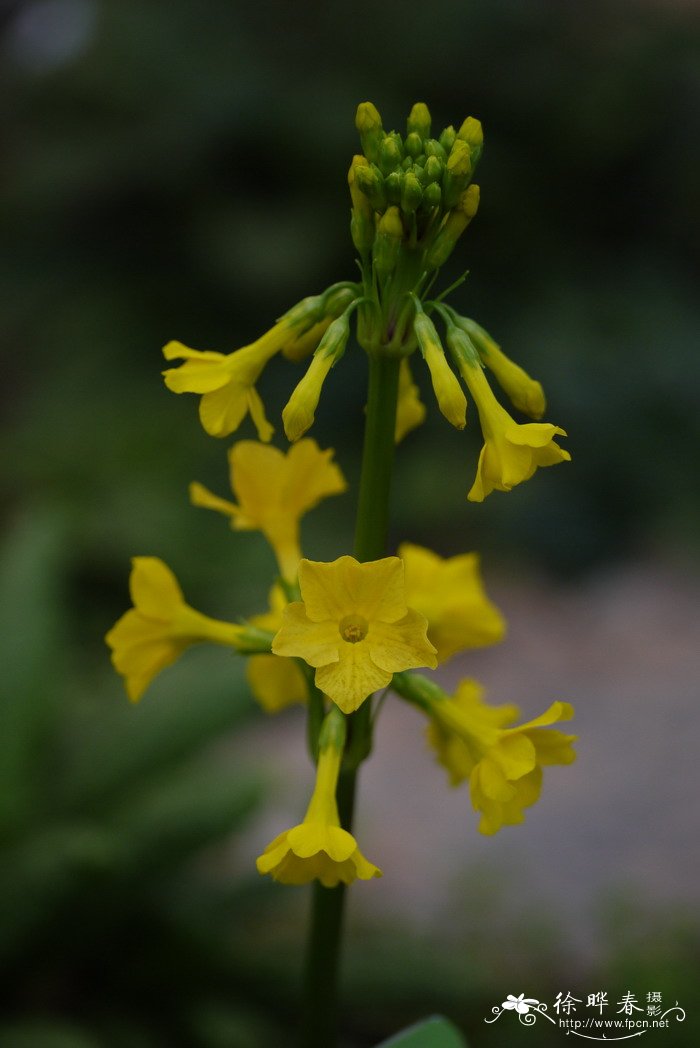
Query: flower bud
{"type": "Point", "coordinates": [298, 415]}
{"type": "Point", "coordinates": [454, 225]}
{"type": "Point", "coordinates": [362, 220]}
{"type": "Point", "coordinates": [412, 193]}
{"type": "Point", "coordinates": [371, 182]}
{"type": "Point", "coordinates": [369, 123]}
{"type": "Point", "coordinates": [432, 197]}
{"type": "Point", "coordinates": [413, 144]}
{"type": "Point", "coordinates": [525, 393]}
{"type": "Point", "coordinates": [472, 133]}
{"type": "Point", "coordinates": [448, 392]}
{"type": "Point", "coordinates": [433, 148]}
{"type": "Point", "coordinates": [387, 243]}
{"type": "Point", "coordinates": [393, 184]}
{"type": "Point", "coordinates": [390, 155]}
{"type": "Point", "coordinates": [447, 138]}
{"type": "Point", "coordinates": [433, 169]}
{"type": "Point", "coordinates": [419, 120]}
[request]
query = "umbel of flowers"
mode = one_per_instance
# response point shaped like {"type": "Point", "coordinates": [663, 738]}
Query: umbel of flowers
{"type": "Point", "coordinates": [335, 635]}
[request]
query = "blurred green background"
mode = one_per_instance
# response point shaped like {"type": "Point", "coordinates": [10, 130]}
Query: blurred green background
{"type": "Point", "coordinates": [177, 170]}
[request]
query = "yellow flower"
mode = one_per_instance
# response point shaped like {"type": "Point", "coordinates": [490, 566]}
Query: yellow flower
{"type": "Point", "coordinates": [511, 452]}
{"type": "Point", "coordinates": [318, 849]}
{"type": "Point", "coordinates": [354, 626]}
{"type": "Point", "coordinates": [503, 765]}
{"type": "Point", "coordinates": [275, 682]}
{"type": "Point", "coordinates": [155, 632]}
{"type": "Point", "coordinates": [274, 491]}
{"type": "Point", "coordinates": [410, 410]}
{"type": "Point", "coordinates": [227, 381]}
{"type": "Point", "coordinates": [450, 594]}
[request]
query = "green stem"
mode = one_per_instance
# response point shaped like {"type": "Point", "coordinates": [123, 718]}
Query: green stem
{"type": "Point", "coordinates": [371, 532]}
{"type": "Point", "coordinates": [372, 527]}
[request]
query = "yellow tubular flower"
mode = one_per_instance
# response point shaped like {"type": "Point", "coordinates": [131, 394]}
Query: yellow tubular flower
{"type": "Point", "coordinates": [227, 381]}
{"type": "Point", "coordinates": [274, 491]}
{"type": "Point", "coordinates": [156, 631]}
{"type": "Point", "coordinates": [318, 849]}
{"type": "Point", "coordinates": [525, 393]}
{"type": "Point", "coordinates": [503, 765]}
{"type": "Point", "coordinates": [276, 683]}
{"type": "Point", "coordinates": [450, 594]}
{"type": "Point", "coordinates": [511, 452]}
{"type": "Point", "coordinates": [298, 414]}
{"type": "Point", "coordinates": [410, 410]}
{"type": "Point", "coordinates": [448, 392]}
{"type": "Point", "coordinates": [354, 627]}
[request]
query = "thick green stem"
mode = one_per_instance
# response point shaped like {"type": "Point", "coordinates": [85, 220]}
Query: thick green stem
{"type": "Point", "coordinates": [320, 988]}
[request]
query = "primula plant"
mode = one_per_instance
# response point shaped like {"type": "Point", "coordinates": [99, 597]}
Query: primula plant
{"type": "Point", "coordinates": [337, 637]}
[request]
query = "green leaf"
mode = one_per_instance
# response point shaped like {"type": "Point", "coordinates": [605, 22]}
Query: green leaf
{"type": "Point", "coordinates": [435, 1032]}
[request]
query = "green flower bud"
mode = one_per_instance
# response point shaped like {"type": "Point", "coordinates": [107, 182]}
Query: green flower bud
{"type": "Point", "coordinates": [390, 156]}
{"type": "Point", "coordinates": [369, 123]}
{"type": "Point", "coordinates": [433, 148]}
{"type": "Point", "coordinates": [459, 160]}
{"type": "Point", "coordinates": [471, 132]}
{"type": "Point", "coordinates": [371, 182]}
{"type": "Point", "coordinates": [447, 138]}
{"type": "Point", "coordinates": [432, 197]}
{"type": "Point", "coordinates": [362, 220]}
{"type": "Point", "coordinates": [393, 184]}
{"type": "Point", "coordinates": [452, 228]}
{"type": "Point", "coordinates": [387, 243]}
{"type": "Point", "coordinates": [413, 144]}
{"type": "Point", "coordinates": [433, 169]}
{"type": "Point", "coordinates": [419, 120]}
{"type": "Point", "coordinates": [407, 163]}
{"type": "Point", "coordinates": [412, 193]}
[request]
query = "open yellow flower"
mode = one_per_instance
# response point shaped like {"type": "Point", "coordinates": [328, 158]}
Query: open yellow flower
{"type": "Point", "coordinates": [318, 849]}
{"type": "Point", "coordinates": [450, 594]}
{"type": "Point", "coordinates": [227, 381]}
{"type": "Point", "coordinates": [410, 410]}
{"type": "Point", "coordinates": [354, 626]}
{"type": "Point", "coordinates": [274, 491]}
{"type": "Point", "coordinates": [156, 631]}
{"type": "Point", "coordinates": [511, 452]}
{"type": "Point", "coordinates": [275, 682]}
{"type": "Point", "coordinates": [503, 764]}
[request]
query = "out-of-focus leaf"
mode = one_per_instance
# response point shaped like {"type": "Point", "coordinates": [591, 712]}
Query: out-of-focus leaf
{"type": "Point", "coordinates": [435, 1032]}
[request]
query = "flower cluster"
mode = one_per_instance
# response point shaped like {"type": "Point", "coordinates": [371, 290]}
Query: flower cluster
{"type": "Point", "coordinates": [412, 198]}
{"type": "Point", "coordinates": [334, 634]}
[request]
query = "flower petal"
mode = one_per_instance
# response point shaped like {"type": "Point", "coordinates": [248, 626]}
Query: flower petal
{"type": "Point", "coordinates": [154, 588]}
{"type": "Point", "coordinates": [317, 643]}
{"type": "Point", "coordinates": [401, 645]}
{"type": "Point", "coordinates": [353, 678]}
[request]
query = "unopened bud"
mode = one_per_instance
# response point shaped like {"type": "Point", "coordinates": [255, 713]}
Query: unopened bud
{"type": "Point", "coordinates": [390, 155]}
{"type": "Point", "coordinates": [447, 138]}
{"type": "Point", "coordinates": [433, 169]}
{"type": "Point", "coordinates": [298, 415]}
{"type": "Point", "coordinates": [412, 193]}
{"type": "Point", "coordinates": [362, 218]}
{"type": "Point", "coordinates": [419, 120]}
{"type": "Point", "coordinates": [387, 243]}
{"type": "Point", "coordinates": [413, 144]}
{"type": "Point", "coordinates": [371, 182]}
{"type": "Point", "coordinates": [459, 161]}
{"type": "Point", "coordinates": [525, 393]}
{"type": "Point", "coordinates": [471, 132]}
{"type": "Point", "coordinates": [369, 123]}
{"type": "Point", "coordinates": [393, 185]}
{"type": "Point", "coordinates": [433, 148]}
{"type": "Point", "coordinates": [432, 196]}
{"type": "Point", "coordinates": [448, 392]}
{"type": "Point", "coordinates": [454, 225]}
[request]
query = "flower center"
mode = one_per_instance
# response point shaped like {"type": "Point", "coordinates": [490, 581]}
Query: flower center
{"type": "Point", "coordinates": [353, 628]}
